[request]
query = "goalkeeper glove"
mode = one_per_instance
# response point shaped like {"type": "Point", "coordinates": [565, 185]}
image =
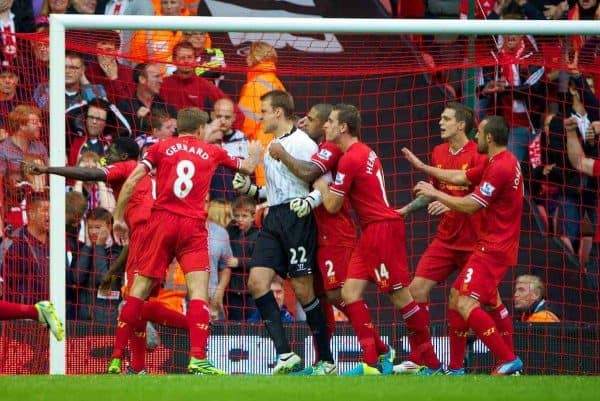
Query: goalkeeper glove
{"type": "Point", "coordinates": [303, 206]}
{"type": "Point", "coordinates": [243, 185]}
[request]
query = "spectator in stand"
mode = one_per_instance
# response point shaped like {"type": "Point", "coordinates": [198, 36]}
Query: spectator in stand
{"type": "Point", "coordinates": [25, 260]}
{"type": "Point", "coordinates": [24, 124]}
{"type": "Point", "coordinates": [53, 7]}
{"type": "Point", "coordinates": [242, 236]}
{"type": "Point", "coordinates": [97, 193]}
{"type": "Point", "coordinates": [512, 87]}
{"type": "Point", "coordinates": [219, 253]}
{"type": "Point", "coordinates": [157, 46]}
{"type": "Point", "coordinates": [140, 107]}
{"type": "Point", "coordinates": [93, 138]}
{"type": "Point", "coordinates": [82, 7]}
{"type": "Point", "coordinates": [530, 300]}
{"type": "Point", "coordinates": [260, 79]}
{"type": "Point", "coordinates": [94, 260]}
{"type": "Point", "coordinates": [127, 7]}
{"type": "Point", "coordinates": [185, 89]}
{"type": "Point", "coordinates": [105, 70]}
{"type": "Point", "coordinates": [162, 126]}
{"type": "Point", "coordinates": [15, 17]}
{"type": "Point", "coordinates": [278, 290]}
{"type": "Point", "coordinates": [11, 95]}
{"type": "Point", "coordinates": [234, 142]}
{"type": "Point", "coordinates": [210, 61]}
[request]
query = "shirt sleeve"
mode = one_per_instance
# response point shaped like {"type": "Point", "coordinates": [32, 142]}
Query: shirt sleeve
{"type": "Point", "coordinates": [494, 179]}
{"type": "Point", "coordinates": [327, 157]}
{"type": "Point", "coordinates": [224, 159]}
{"type": "Point", "coordinates": [347, 168]}
{"type": "Point", "coordinates": [475, 173]}
{"type": "Point", "coordinates": [302, 147]}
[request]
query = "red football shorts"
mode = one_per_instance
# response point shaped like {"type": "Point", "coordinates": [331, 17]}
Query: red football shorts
{"type": "Point", "coordinates": [439, 262]}
{"type": "Point", "coordinates": [166, 236]}
{"type": "Point", "coordinates": [333, 263]}
{"type": "Point", "coordinates": [480, 277]}
{"type": "Point", "coordinates": [380, 256]}
{"type": "Point", "coordinates": [136, 218]}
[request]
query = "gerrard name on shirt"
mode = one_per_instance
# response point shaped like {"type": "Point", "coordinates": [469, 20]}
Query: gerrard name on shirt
{"type": "Point", "coordinates": [179, 147]}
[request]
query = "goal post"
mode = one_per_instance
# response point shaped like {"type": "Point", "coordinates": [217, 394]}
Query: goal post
{"type": "Point", "coordinates": [61, 23]}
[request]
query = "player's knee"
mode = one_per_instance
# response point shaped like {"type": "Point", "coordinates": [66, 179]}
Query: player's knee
{"type": "Point", "coordinates": [453, 299]}
{"type": "Point", "coordinates": [349, 295]}
{"type": "Point", "coordinates": [419, 292]}
{"type": "Point", "coordinates": [465, 305]}
{"type": "Point", "coordinates": [256, 287]}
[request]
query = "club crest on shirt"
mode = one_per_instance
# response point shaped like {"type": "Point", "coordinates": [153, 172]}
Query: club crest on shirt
{"type": "Point", "coordinates": [339, 178]}
{"type": "Point", "coordinates": [324, 154]}
{"type": "Point", "coordinates": [487, 189]}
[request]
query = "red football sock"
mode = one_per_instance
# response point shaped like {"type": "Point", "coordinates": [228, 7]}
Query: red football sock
{"type": "Point", "coordinates": [504, 323]}
{"type": "Point", "coordinates": [483, 325]}
{"type": "Point", "coordinates": [160, 314]}
{"type": "Point", "coordinates": [359, 317]}
{"type": "Point", "coordinates": [416, 320]}
{"type": "Point", "coordinates": [10, 311]}
{"type": "Point", "coordinates": [199, 327]}
{"type": "Point", "coordinates": [415, 354]}
{"type": "Point", "coordinates": [130, 314]}
{"type": "Point", "coordinates": [459, 330]}
{"type": "Point", "coordinates": [137, 346]}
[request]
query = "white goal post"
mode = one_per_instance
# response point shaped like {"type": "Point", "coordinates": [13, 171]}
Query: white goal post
{"type": "Point", "coordinates": [60, 22]}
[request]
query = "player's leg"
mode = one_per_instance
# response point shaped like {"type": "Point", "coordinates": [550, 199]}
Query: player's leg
{"type": "Point", "coordinates": [420, 288]}
{"type": "Point", "coordinates": [156, 312]}
{"type": "Point", "coordinates": [42, 311]}
{"type": "Point", "coordinates": [503, 321]}
{"type": "Point", "coordinates": [315, 317]}
{"type": "Point", "coordinates": [458, 332]}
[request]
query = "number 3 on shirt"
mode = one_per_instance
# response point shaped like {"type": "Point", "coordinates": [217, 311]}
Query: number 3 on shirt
{"type": "Point", "coordinates": [183, 184]}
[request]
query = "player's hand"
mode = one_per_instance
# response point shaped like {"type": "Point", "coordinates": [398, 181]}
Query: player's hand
{"type": "Point", "coordinates": [34, 168]}
{"type": "Point", "coordinates": [437, 208]}
{"type": "Point", "coordinates": [425, 189]}
{"type": "Point", "coordinates": [570, 124]}
{"type": "Point", "coordinates": [401, 211]}
{"type": "Point", "coordinates": [121, 232]}
{"type": "Point", "coordinates": [303, 122]}
{"type": "Point", "coordinates": [243, 185]}
{"type": "Point", "coordinates": [412, 159]}
{"type": "Point", "coordinates": [255, 150]}
{"type": "Point", "coordinates": [106, 283]}
{"type": "Point", "coordinates": [302, 206]}
{"type": "Point", "coordinates": [276, 150]}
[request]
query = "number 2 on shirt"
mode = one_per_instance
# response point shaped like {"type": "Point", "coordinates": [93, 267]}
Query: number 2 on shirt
{"type": "Point", "coordinates": [183, 184]}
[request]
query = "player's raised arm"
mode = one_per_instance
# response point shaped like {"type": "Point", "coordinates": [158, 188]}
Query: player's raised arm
{"type": "Point", "coordinates": [456, 177]}
{"type": "Point", "coordinates": [575, 152]}
{"type": "Point", "coordinates": [255, 152]}
{"type": "Point", "coordinates": [75, 173]}
{"type": "Point", "coordinates": [464, 204]}
{"type": "Point", "coordinates": [119, 227]}
{"type": "Point", "coordinates": [307, 171]}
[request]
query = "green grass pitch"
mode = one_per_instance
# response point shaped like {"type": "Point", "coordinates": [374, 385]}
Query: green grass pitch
{"type": "Point", "coordinates": [266, 388]}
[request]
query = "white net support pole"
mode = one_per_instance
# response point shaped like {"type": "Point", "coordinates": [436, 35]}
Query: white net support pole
{"type": "Point", "coordinates": [60, 22]}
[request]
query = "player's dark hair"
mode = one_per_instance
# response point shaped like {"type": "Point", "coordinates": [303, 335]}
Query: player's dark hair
{"type": "Point", "coordinates": [101, 214]}
{"type": "Point", "coordinates": [190, 119]}
{"type": "Point", "coordinates": [128, 146]}
{"type": "Point", "coordinates": [349, 115]}
{"type": "Point", "coordinates": [496, 126]}
{"type": "Point", "coordinates": [280, 99]}
{"type": "Point", "coordinates": [464, 114]}
{"type": "Point", "coordinates": [323, 111]}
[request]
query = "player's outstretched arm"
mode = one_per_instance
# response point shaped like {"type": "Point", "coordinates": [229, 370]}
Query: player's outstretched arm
{"type": "Point", "coordinates": [255, 152]}
{"type": "Point", "coordinates": [307, 171]}
{"type": "Point", "coordinates": [456, 177]}
{"type": "Point", "coordinates": [418, 203]}
{"type": "Point", "coordinates": [464, 204]}
{"type": "Point", "coordinates": [75, 173]}
{"type": "Point", "coordinates": [575, 152]}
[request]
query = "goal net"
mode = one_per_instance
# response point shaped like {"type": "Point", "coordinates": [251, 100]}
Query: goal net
{"type": "Point", "coordinates": [400, 80]}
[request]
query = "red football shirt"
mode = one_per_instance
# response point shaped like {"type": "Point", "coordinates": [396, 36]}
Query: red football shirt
{"type": "Point", "coordinates": [457, 230]}
{"type": "Point", "coordinates": [596, 173]}
{"type": "Point", "coordinates": [117, 173]}
{"type": "Point", "coordinates": [338, 228]}
{"type": "Point", "coordinates": [500, 192]}
{"type": "Point", "coordinates": [184, 168]}
{"type": "Point", "coordinates": [137, 211]}
{"type": "Point", "coordinates": [361, 177]}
